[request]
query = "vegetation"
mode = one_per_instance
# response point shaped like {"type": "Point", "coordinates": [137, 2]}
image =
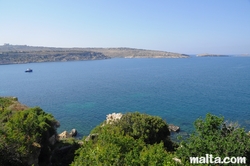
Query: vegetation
{"type": "Point", "coordinates": [64, 152]}
{"type": "Point", "coordinates": [135, 139]}
{"type": "Point", "coordinates": [24, 134]}
{"type": "Point", "coordinates": [214, 136]}
{"type": "Point", "coordinates": [5, 102]}
{"type": "Point", "coordinates": [151, 129]}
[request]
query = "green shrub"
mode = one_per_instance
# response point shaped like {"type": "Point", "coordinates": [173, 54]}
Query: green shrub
{"type": "Point", "coordinates": [24, 134]}
{"type": "Point", "coordinates": [5, 102]}
{"type": "Point", "coordinates": [114, 148]}
{"type": "Point", "coordinates": [135, 139]}
{"type": "Point", "coordinates": [151, 129]}
{"type": "Point", "coordinates": [216, 137]}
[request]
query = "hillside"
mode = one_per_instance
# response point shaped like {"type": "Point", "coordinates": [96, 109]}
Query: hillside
{"type": "Point", "coordinates": [211, 55]}
{"type": "Point", "coordinates": [136, 53]}
{"type": "Point", "coordinates": [14, 54]}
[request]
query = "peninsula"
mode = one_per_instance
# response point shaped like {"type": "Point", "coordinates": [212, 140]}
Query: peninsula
{"type": "Point", "coordinates": [15, 54]}
{"type": "Point", "coordinates": [211, 55]}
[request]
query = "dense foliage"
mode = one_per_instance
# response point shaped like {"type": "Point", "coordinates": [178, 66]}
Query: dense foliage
{"type": "Point", "coordinates": [214, 136]}
{"type": "Point", "coordinates": [24, 135]}
{"type": "Point", "coordinates": [151, 129]}
{"type": "Point", "coordinates": [135, 139]}
{"type": "Point", "coordinates": [115, 148]}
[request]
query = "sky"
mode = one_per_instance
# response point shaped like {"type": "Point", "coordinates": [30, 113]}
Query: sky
{"type": "Point", "coordinates": [181, 26]}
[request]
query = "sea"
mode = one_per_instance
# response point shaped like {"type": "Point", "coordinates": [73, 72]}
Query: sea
{"type": "Point", "coordinates": [80, 94]}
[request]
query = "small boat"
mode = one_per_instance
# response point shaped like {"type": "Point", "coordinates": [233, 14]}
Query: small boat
{"type": "Point", "coordinates": [28, 70]}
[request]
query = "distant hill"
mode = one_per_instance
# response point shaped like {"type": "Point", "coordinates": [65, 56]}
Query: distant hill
{"type": "Point", "coordinates": [14, 54]}
{"type": "Point", "coordinates": [211, 55]}
{"type": "Point", "coordinates": [136, 53]}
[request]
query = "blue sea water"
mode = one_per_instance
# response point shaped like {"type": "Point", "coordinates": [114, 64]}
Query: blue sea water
{"type": "Point", "coordinates": [81, 94]}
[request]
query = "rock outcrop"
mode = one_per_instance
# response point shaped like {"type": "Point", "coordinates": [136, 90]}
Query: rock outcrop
{"type": "Point", "coordinates": [173, 128]}
{"type": "Point", "coordinates": [73, 133]}
{"type": "Point", "coordinates": [63, 135]}
{"type": "Point", "coordinates": [110, 118]}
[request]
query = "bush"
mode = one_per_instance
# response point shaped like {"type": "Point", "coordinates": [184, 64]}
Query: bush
{"type": "Point", "coordinates": [114, 148]}
{"type": "Point", "coordinates": [135, 139]}
{"type": "Point", "coordinates": [24, 134]}
{"type": "Point", "coordinates": [216, 137]}
{"type": "Point", "coordinates": [151, 129]}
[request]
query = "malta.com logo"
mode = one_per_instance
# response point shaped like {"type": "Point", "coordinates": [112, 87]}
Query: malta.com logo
{"type": "Point", "coordinates": [209, 159]}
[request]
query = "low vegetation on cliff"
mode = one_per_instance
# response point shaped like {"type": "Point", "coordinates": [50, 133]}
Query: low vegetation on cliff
{"type": "Point", "coordinates": [122, 139]}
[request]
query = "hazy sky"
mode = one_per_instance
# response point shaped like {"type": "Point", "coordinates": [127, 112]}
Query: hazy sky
{"type": "Point", "coordinates": [183, 26]}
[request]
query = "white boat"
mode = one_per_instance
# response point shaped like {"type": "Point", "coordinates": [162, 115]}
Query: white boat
{"type": "Point", "coordinates": [28, 70]}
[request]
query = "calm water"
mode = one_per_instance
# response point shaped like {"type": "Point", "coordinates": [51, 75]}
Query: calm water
{"type": "Point", "coordinates": [81, 94]}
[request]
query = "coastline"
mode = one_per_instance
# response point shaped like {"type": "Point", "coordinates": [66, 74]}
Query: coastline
{"type": "Point", "coordinates": [18, 54]}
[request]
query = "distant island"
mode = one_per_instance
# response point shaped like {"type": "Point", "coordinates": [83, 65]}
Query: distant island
{"type": "Point", "coordinates": [211, 55]}
{"type": "Point", "coordinates": [16, 54]}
